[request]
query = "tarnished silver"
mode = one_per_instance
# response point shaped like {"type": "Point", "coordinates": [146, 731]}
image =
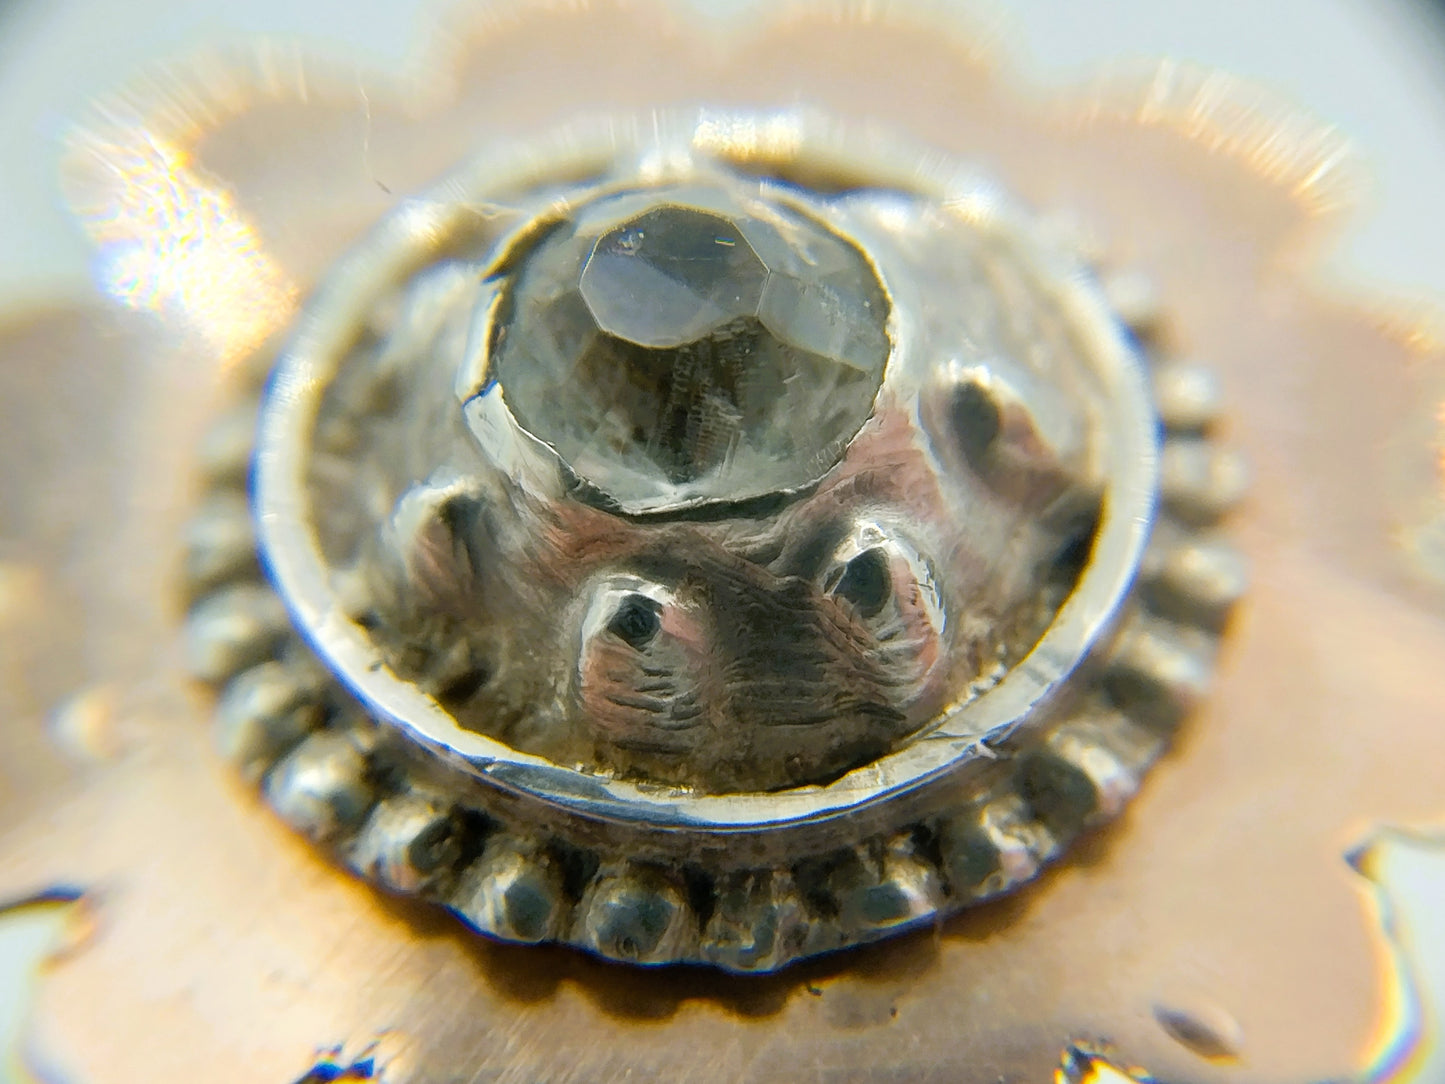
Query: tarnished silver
{"type": "Point", "coordinates": [707, 540]}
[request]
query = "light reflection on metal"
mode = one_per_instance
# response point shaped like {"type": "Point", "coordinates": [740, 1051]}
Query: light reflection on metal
{"type": "Point", "coordinates": [33, 932]}
{"type": "Point", "coordinates": [1407, 877]}
{"type": "Point", "coordinates": [1229, 116]}
{"type": "Point", "coordinates": [173, 241]}
{"type": "Point", "coordinates": [742, 138]}
{"type": "Point", "coordinates": [1080, 1065]}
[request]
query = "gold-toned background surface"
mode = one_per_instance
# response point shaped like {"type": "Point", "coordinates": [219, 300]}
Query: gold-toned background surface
{"type": "Point", "coordinates": [221, 948]}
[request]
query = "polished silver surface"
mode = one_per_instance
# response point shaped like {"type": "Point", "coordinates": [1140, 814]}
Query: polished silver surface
{"type": "Point", "coordinates": [729, 542]}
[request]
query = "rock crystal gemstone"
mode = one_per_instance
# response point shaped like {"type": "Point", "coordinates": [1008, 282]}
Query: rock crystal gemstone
{"type": "Point", "coordinates": [685, 345]}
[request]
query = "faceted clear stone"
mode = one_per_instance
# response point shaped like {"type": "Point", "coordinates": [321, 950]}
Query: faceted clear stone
{"type": "Point", "coordinates": [681, 346]}
{"type": "Point", "coordinates": [672, 276]}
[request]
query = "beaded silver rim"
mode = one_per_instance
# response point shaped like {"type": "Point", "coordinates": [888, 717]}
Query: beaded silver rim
{"type": "Point", "coordinates": [527, 850]}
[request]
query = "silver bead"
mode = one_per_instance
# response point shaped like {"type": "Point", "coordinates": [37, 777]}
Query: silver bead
{"type": "Point", "coordinates": [233, 629]}
{"type": "Point", "coordinates": [989, 849]}
{"type": "Point", "coordinates": [220, 544]}
{"type": "Point", "coordinates": [1085, 772]}
{"type": "Point", "coordinates": [224, 456]}
{"type": "Point", "coordinates": [637, 914]}
{"type": "Point", "coordinates": [1197, 580]}
{"type": "Point", "coordinates": [1200, 482]}
{"type": "Point", "coordinates": [513, 892]}
{"type": "Point", "coordinates": [263, 713]}
{"type": "Point", "coordinates": [410, 841]}
{"type": "Point", "coordinates": [1134, 297]}
{"type": "Point", "coordinates": [1158, 670]}
{"type": "Point", "coordinates": [760, 922]}
{"type": "Point", "coordinates": [322, 788]}
{"type": "Point", "coordinates": [1187, 395]}
{"type": "Point", "coordinates": [880, 893]}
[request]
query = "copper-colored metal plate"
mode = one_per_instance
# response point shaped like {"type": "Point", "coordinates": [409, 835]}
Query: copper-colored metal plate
{"type": "Point", "coordinates": [224, 949]}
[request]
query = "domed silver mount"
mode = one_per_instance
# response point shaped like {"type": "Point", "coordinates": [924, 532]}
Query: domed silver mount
{"type": "Point", "coordinates": [713, 544]}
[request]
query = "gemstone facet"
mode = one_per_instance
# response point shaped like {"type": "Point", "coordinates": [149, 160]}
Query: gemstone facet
{"type": "Point", "coordinates": [667, 343]}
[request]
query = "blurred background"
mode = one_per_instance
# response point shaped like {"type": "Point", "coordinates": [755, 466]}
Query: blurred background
{"type": "Point", "coordinates": [1374, 68]}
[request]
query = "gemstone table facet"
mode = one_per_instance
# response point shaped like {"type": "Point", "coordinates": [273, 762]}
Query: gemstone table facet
{"type": "Point", "coordinates": [682, 347]}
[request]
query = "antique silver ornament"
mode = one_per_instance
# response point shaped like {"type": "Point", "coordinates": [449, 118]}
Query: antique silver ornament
{"type": "Point", "coordinates": [716, 538]}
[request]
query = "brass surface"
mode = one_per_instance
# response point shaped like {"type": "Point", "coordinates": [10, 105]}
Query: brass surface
{"type": "Point", "coordinates": [224, 949]}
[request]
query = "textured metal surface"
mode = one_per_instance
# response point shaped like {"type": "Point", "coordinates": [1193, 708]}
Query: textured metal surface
{"type": "Point", "coordinates": [1223, 886]}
